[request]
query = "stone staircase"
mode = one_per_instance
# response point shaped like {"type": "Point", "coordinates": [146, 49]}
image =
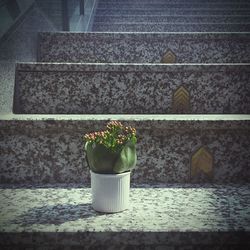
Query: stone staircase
{"type": "Point", "coordinates": [129, 47]}
{"type": "Point", "coordinates": [131, 89]}
{"type": "Point", "coordinates": [188, 96]}
{"type": "Point", "coordinates": [172, 16]}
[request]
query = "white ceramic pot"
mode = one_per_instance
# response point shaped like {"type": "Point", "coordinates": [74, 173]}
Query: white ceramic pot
{"type": "Point", "coordinates": [110, 192]}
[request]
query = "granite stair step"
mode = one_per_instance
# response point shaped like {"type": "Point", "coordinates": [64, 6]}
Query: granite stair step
{"type": "Point", "coordinates": [175, 9]}
{"type": "Point", "coordinates": [144, 47]}
{"type": "Point", "coordinates": [170, 27]}
{"type": "Point", "coordinates": [164, 6]}
{"type": "Point", "coordinates": [172, 11]}
{"type": "Point", "coordinates": [40, 149]}
{"type": "Point", "coordinates": [159, 217]}
{"type": "Point", "coordinates": [172, 19]}
{"type": "Point", "coordinates": [76, 88]}
{"type": "Point", "coordinates": [236, 2]}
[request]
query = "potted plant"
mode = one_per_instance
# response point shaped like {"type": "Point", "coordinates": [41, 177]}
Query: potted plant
{"type": "Point", "coordinates": [111, 155]}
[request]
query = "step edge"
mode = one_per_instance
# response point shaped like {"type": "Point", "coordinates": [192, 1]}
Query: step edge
{"type": "Point", "coordinates": [129, 117]}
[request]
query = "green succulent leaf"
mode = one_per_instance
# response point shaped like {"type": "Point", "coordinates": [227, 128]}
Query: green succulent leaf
{"type": "Point", "coordinates": [100, 158]}
{"type": "Point", "coordinates": [127, 158]}
{"type": "Point", "coordinates": [105, 161]}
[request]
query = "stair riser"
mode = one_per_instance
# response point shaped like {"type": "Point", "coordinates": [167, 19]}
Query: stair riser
{"type": "Point", "coordinates": [52, 151]}
{"type": "Point", "coordinates": [172, 19]}
{"type": "Point", "coordinates": [123, 240]}
{"type": "Point", "coordinates": [172, 11]}
{"type": "Point", "coordinates": [131, 89]}
{"type": "Point", "coordinates": [143, 48]}
{"type": "Point", "coordinates": [165, 27]}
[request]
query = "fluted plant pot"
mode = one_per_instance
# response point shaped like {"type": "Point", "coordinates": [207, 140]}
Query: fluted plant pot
{"type": "Point", "coordinates": [111, 155]}
{"type": "Point", "coordinates": [110, 192]}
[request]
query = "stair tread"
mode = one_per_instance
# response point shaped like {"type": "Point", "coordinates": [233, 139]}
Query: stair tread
{"type": "Point", "coordinates": [187, 5]}
{"type": "Point", "coordinates": [175, 11]}
{"type": "Point", "coordinates": [170, 18]}
{"type": "Point", "coordinates": [176, 1]}
{"type": "Point", "coordinates": [75, 122]}
{"type": "Point", "coordinates": [186, 208]}
{"type": "Point", "coordinates": [193, 9]}
{"type": "Point", "coordinates": [129, 117]}
{"type": "Point", "coordinates": [75, 66]}
{"type": "Point", "coordinates": [171, 27]}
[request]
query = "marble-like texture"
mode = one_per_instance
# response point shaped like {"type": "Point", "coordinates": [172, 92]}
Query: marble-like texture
{"type": "Point", "coordinates": [177, 1]}
{"type": "Point", "coordinates": [158, 9]}
{"type": "Point", "coordinates": [54, 88]}
{"type": "Point", "coordinates": [51, 151]}
{"type": "Point", "coordinates": [174, 2]}
{"type": "Point", "coordinates": [172, 11]}
{"type": "Point", "coordinates": [161, 217]}
{"type": "Point", "coordinates": [166, 27]}
{"type": "Point", "coordinates": [143, 47]}
{"type": "Point", "coordinates": [163, 6]}
{"type": "Point", "coordinates": [171, 19]}
{"type": "Point", "coordinates": [7, 79]}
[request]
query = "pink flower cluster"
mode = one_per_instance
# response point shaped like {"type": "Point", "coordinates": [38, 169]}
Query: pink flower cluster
{"type": "Point", "coordinates": [115, 134]}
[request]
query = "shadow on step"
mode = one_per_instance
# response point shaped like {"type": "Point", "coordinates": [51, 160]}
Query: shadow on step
{"type": "Point", "coordinates": [56, 214]}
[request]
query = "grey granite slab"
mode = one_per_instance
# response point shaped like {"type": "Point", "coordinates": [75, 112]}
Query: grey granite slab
{"type": "Point", "coordinates": [49, 149]}
{"type": "Point", "coordinates": [172, 11]}
{"type": "Point", "coordinates": [216, 217]}
{"type": "Point", "coordinates": [75, 88]}
{"type": "Point", "coordinates": [236, 2]}
{"type": "Point", "coordinates": [170, 27]}
{"type": "Point", "coordinates": [164, 6]}
{"type": "Point", "coordinates": [7, 80]}
{"type": "Point", "coordinates": [172, 19]}
{"type": "Point", "coordinates": [143, 47]}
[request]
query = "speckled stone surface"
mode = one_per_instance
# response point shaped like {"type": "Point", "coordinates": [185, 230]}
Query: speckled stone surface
{"type": "Point", "coordinates": [172, 11]}
{"type": "Point", "coordinates": [175, 4]}
{"type": "Point", "coordinates": [166, 27]}
{"type": "Point", "coordinates": [143, 47]}
{"type": "Point", "coordinates": [55, 88]}
{"type": "Point", "coordinates": [172, 19]}
{"type": "Point", "coordinates": [50, 149]}
{"type": "Point", "coordinates": [7, 80]}
{"type": "Point", "coordinates": [236, 2]}
{"type": "Point", "coordinates": [195, 217]}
